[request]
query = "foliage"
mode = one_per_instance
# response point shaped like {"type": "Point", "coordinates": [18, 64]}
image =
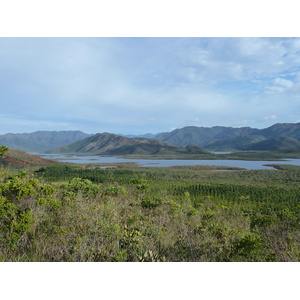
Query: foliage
{"type": "Point", "coordinates": [77, 186]}
{"type": "Point", "coordinates": [114, 190]}
{"type": "Point", "coordinates": [3, 150]}
{"type": "Point", "coordinates": [67, 213]}
{"type": "Point", "coordinates": [151, 202]}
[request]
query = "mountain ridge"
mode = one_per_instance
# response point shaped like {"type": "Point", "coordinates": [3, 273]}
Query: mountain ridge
{"type": "Point", "coordinates": [214, 138]}
{"type": "Point", "coordinates": [112, 144]}
{"type": "Point", "coordinates": [202, 136]}
{"type": "Point", "coordinates": [40, 141]}
{"type": "Point", "coordinates": [229, 138]}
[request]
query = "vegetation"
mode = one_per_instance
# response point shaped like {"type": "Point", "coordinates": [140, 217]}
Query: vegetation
{"type": "Point", "coordinates": [76, 213]}
{"type": "Point", "coordinates": [3, 150]}
{"type": "Point", "coordinates": [273, 144]}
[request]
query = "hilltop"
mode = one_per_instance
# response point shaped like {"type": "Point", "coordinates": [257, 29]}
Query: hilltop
{"type": "Point", "coordinates": [112, 144]}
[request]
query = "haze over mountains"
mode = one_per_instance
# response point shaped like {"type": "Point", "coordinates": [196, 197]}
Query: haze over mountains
{"type": "Point", "coordinates": [41, 141]}
{"type": "Point", "coordinates": [276, 137]}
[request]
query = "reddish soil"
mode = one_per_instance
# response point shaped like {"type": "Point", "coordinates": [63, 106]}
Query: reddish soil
{"type": "Point", "coordinates": [15, 157]}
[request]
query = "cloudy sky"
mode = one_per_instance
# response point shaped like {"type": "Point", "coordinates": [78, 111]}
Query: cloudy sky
{"type": "Point", "coordinates": [141, 85]}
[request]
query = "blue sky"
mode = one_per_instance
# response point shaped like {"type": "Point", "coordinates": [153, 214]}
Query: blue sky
{"type": "Point", "coordinates": [141, 85]}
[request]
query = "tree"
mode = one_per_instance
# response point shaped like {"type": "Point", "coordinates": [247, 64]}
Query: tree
{"type": "Point", "coordinates": [3, 150]}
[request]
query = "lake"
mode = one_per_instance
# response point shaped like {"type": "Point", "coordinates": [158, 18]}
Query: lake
{"type": "Point", "coordinates": [249, 165]}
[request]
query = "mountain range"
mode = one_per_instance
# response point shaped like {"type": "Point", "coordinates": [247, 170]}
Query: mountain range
{"type": "Point", "coordinates": [276, 137]}
{"type": "Point", "coordinates": [112, 144]}
{"type": "Point", "coordinates": [40, 141]}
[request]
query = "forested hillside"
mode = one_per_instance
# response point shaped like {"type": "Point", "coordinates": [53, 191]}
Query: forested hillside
{"type": "Point", "coordinates": [273, 144]}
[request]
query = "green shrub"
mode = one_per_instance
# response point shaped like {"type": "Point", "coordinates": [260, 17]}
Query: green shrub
{"type": "Point", "coordinates": [80, 186]}
{"type": "Point", "coordinates": [114, 191]}
{"type": "Point", "coordinates": [251, 247]}
{"type": "Point", "coordinates": [3, 150]}
{"type": "Point", "coordinates": [137, 181]}
{"type": "Point", "coordinates": [151, 202]}
{"type": "Point", "coordinates": [17, 189]}
{"type": "Point", "coordinates": [47, 190]}
{"type": "Point", "coordinates": [262, 221]}
{"type": "Point", "coordinates": [13, 221]}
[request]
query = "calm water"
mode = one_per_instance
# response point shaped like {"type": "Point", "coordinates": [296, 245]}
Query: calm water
{"type": "Point", "coordinates": [249, 165]}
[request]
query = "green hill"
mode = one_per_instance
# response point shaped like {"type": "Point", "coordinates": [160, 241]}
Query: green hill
{"type": "Point", "coordinates": [274, 144]}
{"type": "Point", "coordinates": [235, 143]}
{"type": "Point", "coordinates": [112, 144]}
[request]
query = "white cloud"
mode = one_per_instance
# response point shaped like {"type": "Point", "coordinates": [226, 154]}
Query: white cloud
{"type": "Point", "coordinates": [122, 83]}
{"type": "Point", "coordinates": [268, 118]}
{"type": "Point", "coordinates": [274, 89]}
{"type": "Point", "coordinates": [224, 59]}
{"type": "Point", "coordinates": [280, 85]}
{"type": "Point", "coordinates": [283, 82]}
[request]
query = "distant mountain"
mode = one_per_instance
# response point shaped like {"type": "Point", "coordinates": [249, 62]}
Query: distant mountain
{"type": "Point", "coordinates": [274, 144]}
{"type": "Point", "coordinates": [235, 143]}
{"type": "Point", "coordinates": [282, 129]}
{"type": "Point", "coordinates": [228, 138]}
{"type": "Point", "coordinates": [213, 138]}
{"type": "Point", "coordinates": [112, 144]}
{"type": "Point", "coordinates": [40, 141]}
{"type": "Point", "coordinates": [202, 136]}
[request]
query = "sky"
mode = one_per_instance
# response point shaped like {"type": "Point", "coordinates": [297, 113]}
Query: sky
{"type": "Point", "coordinates": [147, 85]}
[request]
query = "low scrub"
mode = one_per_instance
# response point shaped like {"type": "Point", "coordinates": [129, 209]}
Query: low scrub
{"type": "Point", "coordinates": [64, 213]}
